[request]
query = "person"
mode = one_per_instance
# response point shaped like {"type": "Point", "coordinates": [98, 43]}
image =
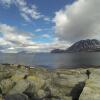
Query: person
{"type": "Point", "coordinates": [88, 73]}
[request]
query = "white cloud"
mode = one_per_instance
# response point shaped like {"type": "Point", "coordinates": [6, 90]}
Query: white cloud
{"type": "Point", "coordinates": [37, 47]}
{"type": "Point", "coordinates": [26, 11]}
{"type": "Point", "coordinates": [29, 13]}
{"type": "Point", "coordinates": [11, 34]}
{"type": "Point", "coordinates": [38, 30]}
{"type": "Point", "coordinates": [47, 19]}
{"type": "Point", "coordinates": [6, 2]}
{"type": "Point", "coordinates": [12, 40]}
{"type": "Point", "coordinates": [46, 36]}
{"type": "Point", "coordinates": [79, 20]}
{"type": "Point", "coordinates": [25, 17]}
{"type": "Point", "coordinates": [44, 29]}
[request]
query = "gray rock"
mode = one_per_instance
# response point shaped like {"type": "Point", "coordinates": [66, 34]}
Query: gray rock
{"type": "Point", "coordinates": [16, 97]}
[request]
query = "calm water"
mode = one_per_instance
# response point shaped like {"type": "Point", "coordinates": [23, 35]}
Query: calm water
{"type": "Point", "coordinates": [53, 60]}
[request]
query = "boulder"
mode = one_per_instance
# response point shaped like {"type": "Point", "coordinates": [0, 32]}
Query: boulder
{"type": "Point", "coordinates": [20, 87]}
{"type": "Point", "coordinates": [36, 83]}
{"type": "Point", "coordinates": [6, 85]}
{"type": "Point", "coordinates": [41, 93]}
{"type": "Point", "coordinates": [91, 90]}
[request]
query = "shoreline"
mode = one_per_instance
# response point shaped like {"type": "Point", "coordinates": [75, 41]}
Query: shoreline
{"type": "Point", "coordinates": [48, 67]}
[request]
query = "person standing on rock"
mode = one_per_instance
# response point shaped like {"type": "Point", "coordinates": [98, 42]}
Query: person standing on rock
{"type": "Point", "coordinates": [88, 73]}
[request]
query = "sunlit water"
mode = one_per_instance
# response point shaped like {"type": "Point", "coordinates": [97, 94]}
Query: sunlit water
{"type": "Point", "coordinates": [53, 60]}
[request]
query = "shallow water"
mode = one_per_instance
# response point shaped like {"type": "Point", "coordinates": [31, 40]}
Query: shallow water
{"type": "Point", "coordinates": [53, 60]}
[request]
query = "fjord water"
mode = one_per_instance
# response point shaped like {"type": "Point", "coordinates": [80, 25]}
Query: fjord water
{"type": "Point", "coordinates": [53, 60]}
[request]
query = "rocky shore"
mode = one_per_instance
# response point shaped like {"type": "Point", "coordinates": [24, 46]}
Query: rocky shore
{"type": "Point", "coordinates": [18, 82]}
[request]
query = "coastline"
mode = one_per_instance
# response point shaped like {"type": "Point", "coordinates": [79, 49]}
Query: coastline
{"type": "Point", "coordinates": [39, 83]}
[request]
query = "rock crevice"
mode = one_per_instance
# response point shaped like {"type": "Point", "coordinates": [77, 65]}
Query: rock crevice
{"type": "Point", "coordinates": [77, 90]}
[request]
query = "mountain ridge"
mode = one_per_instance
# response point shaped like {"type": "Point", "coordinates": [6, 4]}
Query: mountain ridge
{"type": "Point", "coordinates": [88, 45]}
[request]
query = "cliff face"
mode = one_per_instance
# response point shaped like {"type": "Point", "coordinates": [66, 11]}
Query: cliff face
{"type": "Point", "coordinates": [85, 45]}
{"type": "Point", "coordinates": [17, 81]}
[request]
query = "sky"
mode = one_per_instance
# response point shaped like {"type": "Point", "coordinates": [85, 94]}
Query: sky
{"type": "Point", "coordinates": [44, 25]}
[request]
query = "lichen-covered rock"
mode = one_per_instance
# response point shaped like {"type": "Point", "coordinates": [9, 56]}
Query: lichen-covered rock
{"type": "Point", "coordinates": [6, 71]}
{"type": "Point", "coordinates": [41, 94]}
{"type": "Point", "coordinates": [91, 90]}
{"type": "Point", "coordinates": [6, 85]}
{"type": "Point", "coordinates": [89, 94]}
{"type": "Point", "coordinates": [20, 83]}
{"type": "Point", "coordinates": [5, 74]}
{"type": "Point", "coordinates": [67, 80]}
{"type": "Point", "coordinates": [20, 87]}
{"type": "Point", "coordinates": [66, 98]}
{"type": "Point", "coordinates": [36, 84]}
{"type": "Point", "coordinates": [19, 75]}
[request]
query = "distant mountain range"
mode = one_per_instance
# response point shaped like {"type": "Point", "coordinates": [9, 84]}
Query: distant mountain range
{"type": "Point", "coordinates": [89, 45]}
{"type": "Point", "coordinates": [24, 52]}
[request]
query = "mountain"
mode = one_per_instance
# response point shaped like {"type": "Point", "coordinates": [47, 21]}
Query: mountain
{"type": "Point", "coordinates": [88, 45]}
{"type": "Point", "coordinates": [85, 45]}
{"type": "Point", "coordinates": [23, 52]}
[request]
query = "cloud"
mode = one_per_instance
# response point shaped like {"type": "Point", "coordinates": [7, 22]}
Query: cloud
{"type": "Point", "coordinates": [6, 2]}
{"type": "Point", "coordinates": [12, 34]}
{"type": "Point", "coordinates": [13, 40]}
{"type": "Point", "coordinates": [38, 30]}
{"type": "Point", "coordinates": [29, 13]}
{"type": "Point", "coordinates": [79, 20]}
{"type": "Point", "coordinates": [46, 36]}
{"type": "Point", "coordinates": [44, 29]}
{"type": "Point", "coordinates": [25, 17]}
{"type": "Point", "coordinates": [47, 19]}
{"type": "Point", "coordinates": [10, 37]}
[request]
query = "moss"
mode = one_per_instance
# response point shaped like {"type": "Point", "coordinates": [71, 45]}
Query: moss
{"type": "Point", "coordinates": [17, 77]}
